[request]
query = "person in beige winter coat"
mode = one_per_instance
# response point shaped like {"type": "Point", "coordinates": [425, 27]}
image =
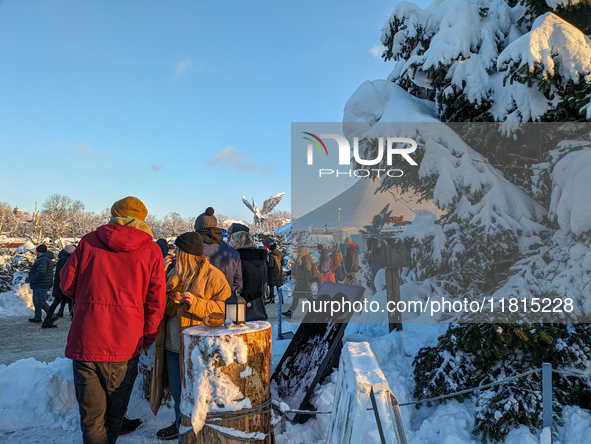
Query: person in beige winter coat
{"type": "Point", "coordinates": [301, 272]}
{"type": "Point", "coordinates": [196, 292]}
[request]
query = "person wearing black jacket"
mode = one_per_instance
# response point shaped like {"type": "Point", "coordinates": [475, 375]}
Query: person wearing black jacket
{"type": "Point", "coordinates": [41, 280]}
{"type": "Point", "coordinates": [275, 273]}
{"type": "Point", "coordinates": [254, 273]}
{"type": "Point", "coordinates": [323, 252]}
{"type": "Point", "coordinates": [57, 294]}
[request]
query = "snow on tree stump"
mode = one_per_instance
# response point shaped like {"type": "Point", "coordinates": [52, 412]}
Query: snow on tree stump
{"type": "Point", "coordinates": [146, 370]}
{"type": "Point", "coordinates": [226, 373]}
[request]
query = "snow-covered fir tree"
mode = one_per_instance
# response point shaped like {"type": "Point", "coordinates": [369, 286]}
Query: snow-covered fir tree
{"type": "Point", "coordinates": [491, 60]}
{"type": "Point", "coordinates": [514, 194]}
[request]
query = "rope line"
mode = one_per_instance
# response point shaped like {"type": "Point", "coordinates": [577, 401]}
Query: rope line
{"type": "Point", "coordinates": [240, 438]}
{"type": "Point", "coordinates": [269, 404]}
{"type": "Point", "coordinates": [216, 417]}
{"type": "Point", "coordinates": [437, 398]}
{"type": "Point", "coordinates": [215, 420]}
{"type": "Point", "coordinates": [567, 373]}
{"type": "Point", "coordinates": [473, 389]}
{"type": "Point", "coordinates": [250, 410]}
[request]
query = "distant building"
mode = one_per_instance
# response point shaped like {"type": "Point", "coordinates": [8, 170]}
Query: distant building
{"type": "Point", "coordinates": [11, 243]}
{"type": "Point", "coordinates": [24, 214]}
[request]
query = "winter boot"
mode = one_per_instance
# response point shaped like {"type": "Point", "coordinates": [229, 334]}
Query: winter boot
{"type": "Point", "coordinates": [168, 433]}
{"type": "Point", "coordinates": [48, 323]}
{"type": "Point", "coordinates": [129, 425]}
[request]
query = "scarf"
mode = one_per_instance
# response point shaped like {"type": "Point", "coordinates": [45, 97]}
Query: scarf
{"type": "Point", "coordinates": [135, 223]}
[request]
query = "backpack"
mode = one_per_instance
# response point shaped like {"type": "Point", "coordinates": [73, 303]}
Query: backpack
{"type": "Point", "coordinates": [314, 271]}
{"type": "Point", "coordinates": [340, 273]}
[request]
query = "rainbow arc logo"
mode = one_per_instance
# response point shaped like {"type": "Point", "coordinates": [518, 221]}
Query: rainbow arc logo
{"type": "Point", "coordinates": [315, 143]}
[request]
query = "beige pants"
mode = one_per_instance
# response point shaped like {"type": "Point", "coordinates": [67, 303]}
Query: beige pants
{"type": "Point", "coordinates": [351, 279]}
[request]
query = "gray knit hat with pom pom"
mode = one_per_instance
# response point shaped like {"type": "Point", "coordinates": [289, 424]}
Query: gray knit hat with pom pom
{"type": "Point", "coordinates": [206, 220]}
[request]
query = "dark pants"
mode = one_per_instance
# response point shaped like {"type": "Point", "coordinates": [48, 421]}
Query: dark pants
{"type": "Point", "coordinates": [54, 305]}
{"type": "Point", "coordinates": [174, 383]}
{"type": "Point", "coordinates": [40, 302]}
{"type": "Point", "coordinates": [272, 291]}
{"type": "Point", "coordinates": [297, 294]}
{"type": "Point", "coordinates": [56, 302]}
{"type": "Point", "coordinates": [103, 390]}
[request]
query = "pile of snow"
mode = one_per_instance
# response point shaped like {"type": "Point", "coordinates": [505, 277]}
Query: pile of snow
{"type": "Point", "coordinates": [38, 394]}
{"type": "Point", "coordinates": [18, 302]}
{"type": "Point", "coordinates": [554, 45]}
{"type": "Point", "coordinates": [571, 200]}
{"type": "Point", "coordinates": [24, 248]}
{"type": "Point", "coordinates": [381, 100]}
{"type": "Point", "coordinates": [38, 402]}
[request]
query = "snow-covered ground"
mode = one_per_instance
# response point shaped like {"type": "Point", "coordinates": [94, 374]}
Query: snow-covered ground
{"type": "Point", "coordinates": [18, 302]}
{"type": "Point", "coordinates": [38, 404]}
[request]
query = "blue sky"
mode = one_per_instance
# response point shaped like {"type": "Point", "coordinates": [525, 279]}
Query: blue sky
{"type": "Point", "coordinates": [184, 104]}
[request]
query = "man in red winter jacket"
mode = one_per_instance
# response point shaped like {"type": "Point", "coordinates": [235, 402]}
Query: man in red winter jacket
{"type": "Point", "coordinates": [116, 277]}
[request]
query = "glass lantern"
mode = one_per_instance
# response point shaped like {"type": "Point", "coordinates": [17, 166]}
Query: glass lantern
{"type": "Point", "coordinates": [236, 309]}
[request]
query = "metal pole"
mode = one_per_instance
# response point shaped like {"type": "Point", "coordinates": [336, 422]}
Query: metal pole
{"type": "Point", "coordinates": [374, 404]}
{"type": "Point", "coordinates": [547, 395]}
{"type": "Point", "coordinates": [390, 426]}
{"type": "Point", "coordinates": [280, 302]}
{"type": "Point", "coordinates": [393, 294]}
{"type": "Point", "coordinates": [280, 335]}
{"type": "Point", "coordinates": [339, 217]}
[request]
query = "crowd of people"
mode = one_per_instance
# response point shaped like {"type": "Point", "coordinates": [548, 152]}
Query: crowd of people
{"type": "Point", "coordinates": [41, 280]}
{"type": "Point", "coordinates": [331, 267]}
{"type": "Point", "coordinates": [129, 292]}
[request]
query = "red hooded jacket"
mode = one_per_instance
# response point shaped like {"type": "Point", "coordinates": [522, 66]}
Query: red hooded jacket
{"type": "Point", "coordinates": [116, 277]}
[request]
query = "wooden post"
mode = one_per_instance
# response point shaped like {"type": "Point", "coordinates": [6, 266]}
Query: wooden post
{"type": "Point", "coordinates": [393, 293]}
{"type": "Point", "coordinates": [226, 369]}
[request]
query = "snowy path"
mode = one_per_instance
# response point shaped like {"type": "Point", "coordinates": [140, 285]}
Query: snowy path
{"type": "Point", "coordinates": [38, 405]}
{"type": "Point", "coordinates": [22, 339]}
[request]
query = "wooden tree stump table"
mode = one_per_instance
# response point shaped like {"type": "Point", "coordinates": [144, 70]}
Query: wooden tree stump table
{"type": "Point", "coordinates": [225, 379]}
